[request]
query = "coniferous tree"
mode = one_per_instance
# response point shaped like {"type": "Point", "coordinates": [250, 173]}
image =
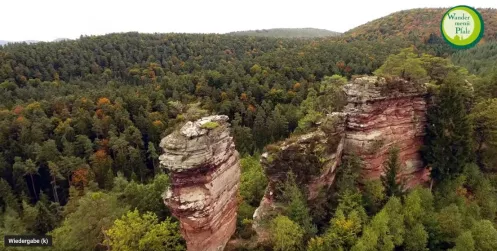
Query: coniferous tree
{"type": "Point", "coordinates": [153, 156]}
{"type": "Point", "coordinates": [278, 125]}
{"type": "Point", "coordinates": [242, 135]}
{"type": "Point", "coordinates": [260, 128]}
{"type": "Point", "coordinates": [483, 118]}
{"type": "Point", "coordinates": [7, 197]}
{"type": "Point", "coordinates": [389, 177]}
{"type": "Point", "coordinates": [48, 215]}
{"type": "Point", "coordinates": [55, 173]}
{"type": "Point", "coordinates": [448, 143]}
{"type": "Point", "coordinates": [27, 167]}
{"type": "Point", "coordinates": [296, 208]}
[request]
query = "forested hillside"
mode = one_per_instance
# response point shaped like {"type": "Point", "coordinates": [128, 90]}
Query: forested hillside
{"type": "Point", "coordinates": [288, 33]}
{"type": "Point", "coordinates": [75, 114]}
{"type": "Point", "coordinates": [479, 60]}
{"type": "Point", "coordinates": [419, 26]}
{"type": "Point", "coordinates": [81, 120]}
{"type": "Point", "coordinates": [416, 24]}
{"type": "Point", "coordinates": [154, 77]}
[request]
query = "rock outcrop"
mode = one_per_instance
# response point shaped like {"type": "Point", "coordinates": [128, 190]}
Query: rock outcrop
{"type": "Point", "coordinates": [313, 157]}
{"type": "Point", "coordinates": [379, 114]}
{"type": "Point", "coordinates": [205, 175]}
{"type": "Point", "coordinates": [382, 114]}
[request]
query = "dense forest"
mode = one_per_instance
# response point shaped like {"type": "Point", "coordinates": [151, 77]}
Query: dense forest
{"type": "Point", "coordinates": [478, 60]}
{"type": "Point", "coordinates": [81, 121]}
{"type": "Point", "coordinates": [288, 33]}
{"type": "Point", "coordinates": [417, 25]}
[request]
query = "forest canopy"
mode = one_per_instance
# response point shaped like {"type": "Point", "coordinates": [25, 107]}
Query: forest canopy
{"type": "Point", "coordinates": [81, 121]}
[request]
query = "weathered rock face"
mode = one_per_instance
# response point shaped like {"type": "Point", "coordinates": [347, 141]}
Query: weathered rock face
{"type": "Point", "coordinates": [381, 114]}
{"type": "Point", "coordinates": [205, 176]}
{"type": "Point", "coordinates": [312, 157]}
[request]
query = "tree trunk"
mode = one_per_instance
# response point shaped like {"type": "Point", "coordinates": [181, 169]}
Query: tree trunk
{"type": "Point", "coordinates": [33, 186]}
{"type": "Point", "coordinates": [54, 186]}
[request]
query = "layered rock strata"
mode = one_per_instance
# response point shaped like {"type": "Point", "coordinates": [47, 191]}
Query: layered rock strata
{"type": "Point", "coordinates": [382, 114]}
{"type": "Point", "coordinates": [205, 175]}
{"type": "Point", "coordinates": [379, 114]}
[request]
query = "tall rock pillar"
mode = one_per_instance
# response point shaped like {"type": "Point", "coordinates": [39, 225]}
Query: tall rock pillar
{"type": "Point", "coordinates": [383, 114]}
{"type": "Point", "coordinates": [205, 175]}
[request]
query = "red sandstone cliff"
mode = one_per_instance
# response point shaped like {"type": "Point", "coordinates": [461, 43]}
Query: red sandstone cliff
{"type": "Point", "coordinates": [381, 114]}
{"type": "Point", "coordinates": [205, 176]}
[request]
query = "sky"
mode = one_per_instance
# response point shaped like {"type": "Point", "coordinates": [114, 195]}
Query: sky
{"type": "Point", "coordinates": [46, 20]}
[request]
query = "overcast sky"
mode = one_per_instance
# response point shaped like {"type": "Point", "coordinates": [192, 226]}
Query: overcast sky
{"type": "Point", "coordinates": [50, 19]}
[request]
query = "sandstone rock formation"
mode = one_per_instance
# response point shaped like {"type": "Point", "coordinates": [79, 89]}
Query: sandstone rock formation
{"type": "Point", "coordinates": [205, 176]}
{"type": "Point", "coordinates": [379, 114]}
{"type": "Point", "coordinates": [312, 157]}
{"type": "Point", "coordinates": [382, 114]}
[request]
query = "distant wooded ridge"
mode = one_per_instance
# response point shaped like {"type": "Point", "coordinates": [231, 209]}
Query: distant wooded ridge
{"type": "Point", "coordinates": [422, 24]}
{"type": "Point", "coordinates": [288, 33]}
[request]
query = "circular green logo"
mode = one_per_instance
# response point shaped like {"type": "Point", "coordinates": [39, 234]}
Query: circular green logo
{"type": "Point", "coordinates": [462, 27]}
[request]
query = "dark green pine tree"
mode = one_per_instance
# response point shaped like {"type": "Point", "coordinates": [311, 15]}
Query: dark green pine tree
{"type": "Point", "coordinates": [448, 142]}
{"type": "Point", "coordinates": [48, 215]}
{"type": "Point", "coordinates": [296, 208]}
{"type": "Point", "coordinates": [389, 177]}
{"type": "Point", "coordinates": [242, 135]}
{"type": "Point", "coordinates": [7, 197]}
{"type": "Point", "coordinates": [260, 130]}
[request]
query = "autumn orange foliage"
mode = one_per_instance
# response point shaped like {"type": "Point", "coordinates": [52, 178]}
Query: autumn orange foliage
{"type": "Point", "coordinates": [243, 97]}
{"type": "Point", "coordinates": [251, 108]}
{"type": "Point", "coordinates": [80, 178]}
{"type": "Point", "coordinates": [18, 109]}
{"type": "Point", "coordinates": [100, 113]}
{"type": "Point", "coordinates": [102, 101]}
{"type": "Point", "coordinates": [157, 123]}
{"type": "Point", "coordinates": [20, 120]}
{"type": "Point", "coordinates": [101, 154]}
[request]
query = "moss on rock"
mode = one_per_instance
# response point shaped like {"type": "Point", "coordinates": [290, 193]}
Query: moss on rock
{"type": "Point", "coordinates": [210, 125]}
